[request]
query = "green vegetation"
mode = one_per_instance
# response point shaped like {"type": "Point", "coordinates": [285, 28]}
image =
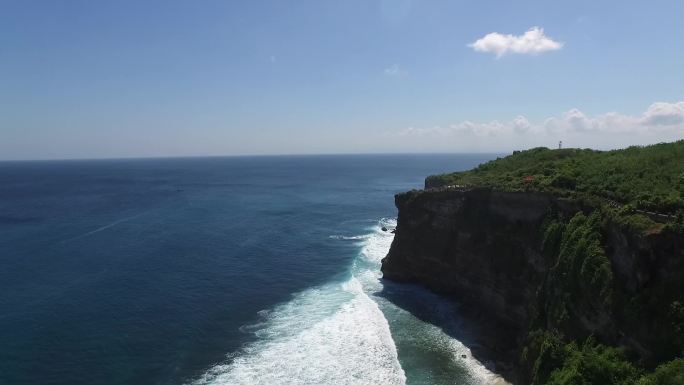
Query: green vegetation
{"type": "Point", "coordinates": [639, 190]}
{"type": "Point", "coordinates": [647, 178]}
{"type": "Point", "coordinates": [671, 373]}
{"type": "Point", "coordinates": [582, 276]}
{"type": "Point", "coordinates": [557, 363]}
{"type": "Point", "coordinates": [581, 285]}
{"type": "Point", "coordinates": [589, 363]}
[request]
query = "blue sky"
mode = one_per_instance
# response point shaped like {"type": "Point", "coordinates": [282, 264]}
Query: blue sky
{"type": "Point", "coordinates": [91, 79]}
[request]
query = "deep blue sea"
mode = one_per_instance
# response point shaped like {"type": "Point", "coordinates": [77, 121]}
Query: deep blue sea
{"type": "Point", "coordinates": [226, 270]}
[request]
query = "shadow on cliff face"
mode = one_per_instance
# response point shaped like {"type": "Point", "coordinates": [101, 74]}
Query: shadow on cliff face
{"type": "Point", "coordinates": [489, 341]}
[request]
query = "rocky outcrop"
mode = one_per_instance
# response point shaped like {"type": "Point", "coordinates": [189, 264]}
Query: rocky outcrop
{"type": "Point", "coordinates": [485, 248]}
{"type": "Point", "coordinates": [479, 245]}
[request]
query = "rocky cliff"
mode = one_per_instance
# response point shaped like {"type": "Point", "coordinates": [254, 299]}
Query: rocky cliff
{"type": "Point", "coordinates": [538, 262]}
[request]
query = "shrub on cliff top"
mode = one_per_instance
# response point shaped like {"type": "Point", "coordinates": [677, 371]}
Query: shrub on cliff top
{"type": "Point", "coordinates": [650, 177]}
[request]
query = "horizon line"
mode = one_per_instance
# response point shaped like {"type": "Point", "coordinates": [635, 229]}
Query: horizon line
{"type": "Point", "coordinates": [251, 156]}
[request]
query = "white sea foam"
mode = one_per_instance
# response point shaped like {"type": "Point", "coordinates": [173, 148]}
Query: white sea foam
{"type": "Point", "coordinates": [412, 331]}
{"type": "Point", "coordinates": [105, 227]}
{"type": "Point", "coordinates": [338, 334]}
{"type": "Point", "coordinates": [407, 327]}
{"type": "Point", "coordinates": [349, 238]}
{"type": "Point", "coordinates": [333, 334]}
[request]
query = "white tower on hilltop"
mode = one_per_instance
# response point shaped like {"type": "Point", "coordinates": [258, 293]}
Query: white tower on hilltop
{"type": "Point", "coordinates": [560, 144]}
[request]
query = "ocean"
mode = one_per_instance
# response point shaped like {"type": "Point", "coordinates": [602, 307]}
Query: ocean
{"type": "Point", "coordinates": [220, 270]}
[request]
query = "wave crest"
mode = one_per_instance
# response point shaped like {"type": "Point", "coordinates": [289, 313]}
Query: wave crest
{"type": "Point", "coordinates": [332, 334]}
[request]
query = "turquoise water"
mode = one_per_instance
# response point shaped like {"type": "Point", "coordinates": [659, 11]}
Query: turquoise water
{"type": "Point", "coordinates": [245, 270]}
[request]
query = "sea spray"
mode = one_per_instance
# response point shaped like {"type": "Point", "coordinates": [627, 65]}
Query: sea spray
{"type": "Point", "coordinates": [428, 354]}
{"type": "Point", "coordinates": [332, 334]}
{"type": "Point", "coordinates": [339, 333]}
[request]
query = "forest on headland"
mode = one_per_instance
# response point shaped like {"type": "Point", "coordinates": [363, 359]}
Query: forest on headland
{"type": "Point", "coordinates": [639, 189]}
{"type": "Point", "coordinates": [641, 185]}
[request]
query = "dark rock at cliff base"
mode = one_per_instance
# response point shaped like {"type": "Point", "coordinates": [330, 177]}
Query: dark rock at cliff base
{"type": "Point", "coordinates": [384, 228]}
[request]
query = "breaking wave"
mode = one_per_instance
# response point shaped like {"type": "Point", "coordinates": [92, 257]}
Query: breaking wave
{"type": "Point", "coordinates": [332, 334]}
{"type": "Point", "coordinates": [339, 333]}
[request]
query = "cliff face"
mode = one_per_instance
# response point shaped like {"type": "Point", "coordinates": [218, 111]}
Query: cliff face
{"type": "Point", "coordinates": [487, 248]}
{"type": "Point", "coordinates": [478, 245]}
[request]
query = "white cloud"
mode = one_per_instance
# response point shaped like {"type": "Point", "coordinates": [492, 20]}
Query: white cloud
{"type": "Point", "coordinates": [395, 70]}
{"type": "Point", "coordinates": [578, 121]}
{"type": "Point", "coordinates": [521, 125]}
{"type": "Point", "coordinates": [532, 42]}
{"type": "Point", "coordinates": [664, 114]}
{"type": "Point", "coordinates": [660, 118]}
